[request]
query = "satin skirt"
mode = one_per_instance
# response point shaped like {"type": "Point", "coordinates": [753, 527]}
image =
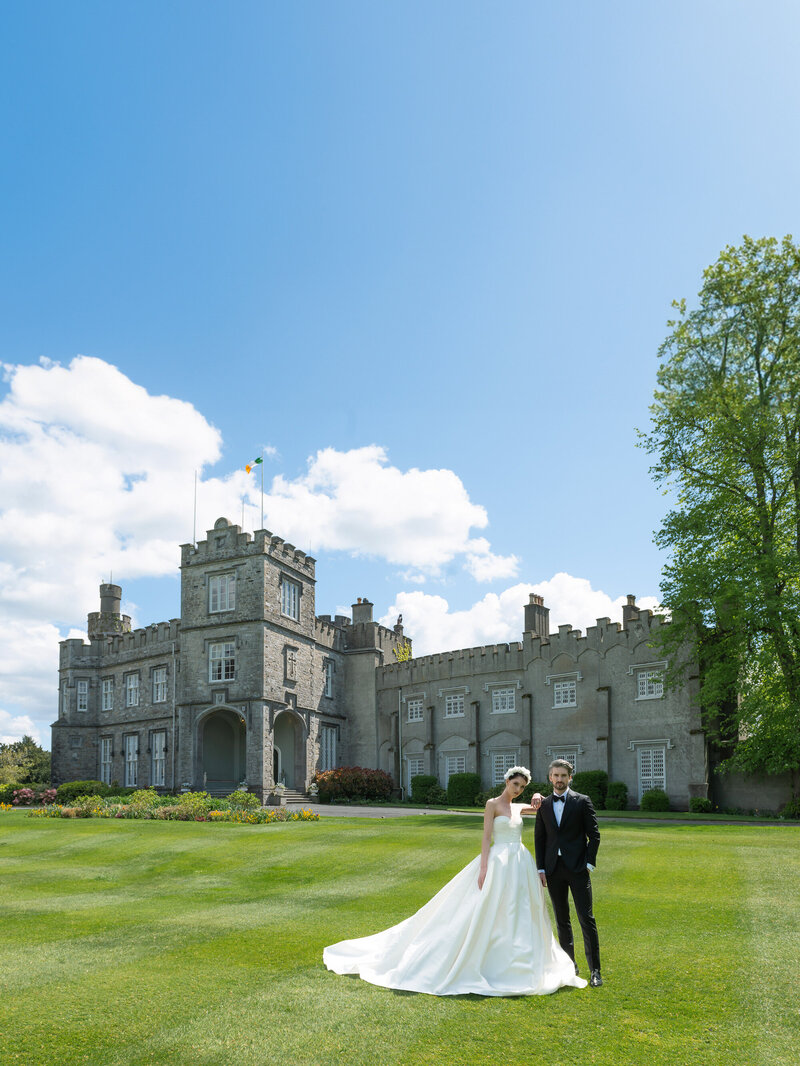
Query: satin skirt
{"type": "Point", "coordinates": [496, 941]}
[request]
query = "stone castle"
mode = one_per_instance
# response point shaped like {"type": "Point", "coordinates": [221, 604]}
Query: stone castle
{"type": "Point", "coordinates": [250, 687]}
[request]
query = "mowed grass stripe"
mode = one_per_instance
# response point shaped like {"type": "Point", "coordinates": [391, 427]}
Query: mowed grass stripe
{"type": "Point", "coordinates": [204, 946]}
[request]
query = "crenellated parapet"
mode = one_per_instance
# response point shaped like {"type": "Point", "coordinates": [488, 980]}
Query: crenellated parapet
{"type": "Point", "coordinates": [226, 540]}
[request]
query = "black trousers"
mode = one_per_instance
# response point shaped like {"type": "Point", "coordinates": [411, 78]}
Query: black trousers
{"type": "Point", "coordinates": [560, 883]}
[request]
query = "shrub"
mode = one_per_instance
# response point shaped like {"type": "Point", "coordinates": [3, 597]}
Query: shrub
{"type": "Point", "coordinates": [193, 803]}
{"type": "Point", "coordinates": [655, 799]}
{"type": "Point", "coordinates": [353, 782]}
{"type": "Point", "coordinates": [420, 785]}
{"type": "Point", "coordinates": [70, 789]}
{"type": "Point", "coordinates": [594, 784]}
{"type": "Point", "coordinates": [700, 805]}
{"type": "Point", "coordinates": [617, 796]}
{"type": "Point", "coordinates": [7, 792]}
{"type": "Point", "coordinates": [242, 801]}
{"type": "Point", "coordinates": [792, 809]}
{"type": "Point", "coordinates": [24, 797]}
{"type": "Point", "coordinates": [462, 789]}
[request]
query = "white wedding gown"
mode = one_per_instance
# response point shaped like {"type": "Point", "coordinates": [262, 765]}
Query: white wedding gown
{"type": "Point", "coordinates": [495, 941]}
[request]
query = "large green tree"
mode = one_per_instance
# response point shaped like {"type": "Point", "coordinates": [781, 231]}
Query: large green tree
{"type": "Point", "coordinates": [726, 440]}
{"type": "Point", "coordinates": [24, 762]}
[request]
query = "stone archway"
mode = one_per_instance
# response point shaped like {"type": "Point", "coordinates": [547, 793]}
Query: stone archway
{"type": "Point", "coordinates": [289, 760]}
{"type": "Point", "coordinates": [223, 750]}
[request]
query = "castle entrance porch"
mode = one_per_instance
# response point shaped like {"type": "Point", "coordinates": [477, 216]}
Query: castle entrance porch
{"type": "Point", "coordinates": [222, 748]}
{"type": "Point", "coordinates": [289, 760]}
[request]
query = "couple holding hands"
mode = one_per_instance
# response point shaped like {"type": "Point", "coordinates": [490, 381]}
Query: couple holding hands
{"type": "Point", "coordinates": [487, 932]}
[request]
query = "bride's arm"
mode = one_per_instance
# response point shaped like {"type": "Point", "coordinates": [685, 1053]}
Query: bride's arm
{"type": "Point", "coordinates": [486, 842]}
{"type": "Point", "coordinates": [536, 802]}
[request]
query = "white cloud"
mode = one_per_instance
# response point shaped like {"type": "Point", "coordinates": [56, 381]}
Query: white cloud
{"type": "Point", "coordinates": [499, 617]}
{"type": "Point", "coordinates": [355, 501]}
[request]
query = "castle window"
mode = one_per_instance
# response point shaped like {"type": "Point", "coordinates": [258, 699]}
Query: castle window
{"type": "Point", "coordinates": [158, 747]}
{"type": "Point", "coordinates": [221, 661]}
{"type": "Point", "coordinates": [131, 748]}
{"type": "Point", "coordinates": [105, 760]}
{"type": "Point", "coordinates": [416, 711]}
{"type": "Point", "coordinates": [565, 693]}
{"type": "Point", "coordinates": [290, 663]}
{"type": "Point", "coordinates": [329, 677]}
{"type": "Point", "coordinates": [454, 707]}
{"type": "Point", "coordinates": [160, 684]}
{"type": "Point", "coordinates": [649, 685]}
{"type": "Point", "coordinates": [652, 769]}
{"type": "Point", "coordinates": [290, 598]}
{"type": "Point", "coordinates": [503, 701]}
{"type": "Point", "coordinates": [221, 593]}
{"type": "Point", "coordinates": [502, 761]}
{"type": "Point", "coordinates": [83, 695]}
{"type": "Point", "coordinates": [131, 690]}
{"type": "Point", "coordinates": [415, 766]}
{"type": "Point", "coordinates": [454, 764]}
{"type": "Point", "coordinates": [107, 696]}
{"type": "Point", "coordinates": [327, 747]}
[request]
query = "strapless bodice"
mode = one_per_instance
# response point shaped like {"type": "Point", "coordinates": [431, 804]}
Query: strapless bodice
{"type": "Point", "coordinates": [507, 830]}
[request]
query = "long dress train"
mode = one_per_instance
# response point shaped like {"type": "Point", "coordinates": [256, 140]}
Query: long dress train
{"type": "Point", "coordinates": [495, 941]}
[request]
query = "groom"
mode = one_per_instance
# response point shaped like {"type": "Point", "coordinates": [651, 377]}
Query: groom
{"type": "Point", "coordinates": [567, 839]}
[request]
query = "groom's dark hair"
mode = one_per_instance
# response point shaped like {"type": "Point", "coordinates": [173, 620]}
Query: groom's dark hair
{"type": "Point", "coordinates": [562, 764]}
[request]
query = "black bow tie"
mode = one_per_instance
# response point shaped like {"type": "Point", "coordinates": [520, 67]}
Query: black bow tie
{"type": "Point", "coordinates": [559, 799]}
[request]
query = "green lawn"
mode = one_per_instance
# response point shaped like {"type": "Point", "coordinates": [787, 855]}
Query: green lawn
{"type": "Point", "coordinates": [180, 943]}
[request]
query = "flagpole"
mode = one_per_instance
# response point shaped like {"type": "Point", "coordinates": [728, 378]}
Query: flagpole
{"type": "Point", "coordinates": [194, 515]}
{"type": "Point", "coordinates": [262, 488]}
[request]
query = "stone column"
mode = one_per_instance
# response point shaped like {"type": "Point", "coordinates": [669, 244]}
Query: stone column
{"type": "Point", "coordinates": [603, 726]}
{"type": "Point", "coordinates": [475, 734]}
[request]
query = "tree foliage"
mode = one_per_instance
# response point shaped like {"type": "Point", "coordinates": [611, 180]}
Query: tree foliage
{"type": "Point", "coordinates": [726, 437]}
{"type": "Point", "coordinates": [25, 762]}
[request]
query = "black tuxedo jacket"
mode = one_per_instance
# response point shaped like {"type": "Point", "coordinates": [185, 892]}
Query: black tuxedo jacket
{"type": "Point", "coordinates": [578, 836]}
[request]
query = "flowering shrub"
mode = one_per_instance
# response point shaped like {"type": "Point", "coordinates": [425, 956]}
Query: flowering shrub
{"type": "Point", "coordinates": [259, 816]}
{"type": "Point", "coordinates": [243, 801]}
{"type": "Point", "coordinates": [353, 783]}
{"type": "Point", "coordinates": [27, 797]}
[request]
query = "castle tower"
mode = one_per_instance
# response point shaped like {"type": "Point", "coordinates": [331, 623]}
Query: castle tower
{"type": "Point", "coordinates": [108, 622]}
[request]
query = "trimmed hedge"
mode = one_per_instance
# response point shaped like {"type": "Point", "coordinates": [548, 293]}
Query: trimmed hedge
{"type": "Point", "coordinates": [353, 782]}
{"type": "Point", "coordinates": [655, 799]}
{"type": "Point", "coordinates": [700, 805]}
{"type": "Point", "coordinates": [70, 790]}
{"type": "Point", "coordinates": [462, 789]}
{"type": "Point", "coordinates": [594, 784]}
{"type": "Point", "coordinates": [420, 784]}
{"type": "Point", "coordinates": [617, 796]}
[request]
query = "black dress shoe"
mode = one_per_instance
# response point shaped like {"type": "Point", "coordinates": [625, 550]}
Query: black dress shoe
{"type": "Point", "coordinates": [595, 980]}
{"type": "Point", "coordinates": [577, 973]}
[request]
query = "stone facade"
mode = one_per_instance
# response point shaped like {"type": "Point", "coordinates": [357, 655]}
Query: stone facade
{"type": "Point", "coordinates": [596, 699]}
{"type": "Point", "coordinates": [250, 687]}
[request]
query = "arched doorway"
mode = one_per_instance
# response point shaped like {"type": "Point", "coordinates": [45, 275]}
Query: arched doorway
{"type": "Point", "coordinates": [289, 760]}
{"type": "Point", "coordinates": [224, 751]}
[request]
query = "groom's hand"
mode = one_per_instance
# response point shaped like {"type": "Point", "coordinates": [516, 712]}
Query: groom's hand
{"type": "Point", "coordinates": [543, 878]}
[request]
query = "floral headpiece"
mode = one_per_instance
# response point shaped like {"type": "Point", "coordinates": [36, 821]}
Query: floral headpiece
{"type": "Point", "coordinates": [515, 770]}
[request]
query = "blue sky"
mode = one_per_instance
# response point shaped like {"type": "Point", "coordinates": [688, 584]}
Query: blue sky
{"type": "Point", "coordinates": [381, 241]}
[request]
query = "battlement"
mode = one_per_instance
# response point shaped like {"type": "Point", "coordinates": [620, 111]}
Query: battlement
{"type": "Point", "coordinates": [489, 658]}
{"type": "Point", "coordinates": [227, 541]}
{"type": "Point", "coordinates": [154, 637]}
{"type": "Point", "coordinates": [637, 626]}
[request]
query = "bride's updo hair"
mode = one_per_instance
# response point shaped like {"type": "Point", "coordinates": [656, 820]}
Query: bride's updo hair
{"type": "Point", "coordinates": [518, 771]}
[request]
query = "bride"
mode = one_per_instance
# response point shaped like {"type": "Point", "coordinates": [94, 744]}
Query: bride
{"type": "Point", "coordinates": [486, 932]}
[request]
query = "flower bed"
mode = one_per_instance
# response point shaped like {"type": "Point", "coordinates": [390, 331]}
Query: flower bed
{"type": "Point", "coordinates": [240, 807]}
